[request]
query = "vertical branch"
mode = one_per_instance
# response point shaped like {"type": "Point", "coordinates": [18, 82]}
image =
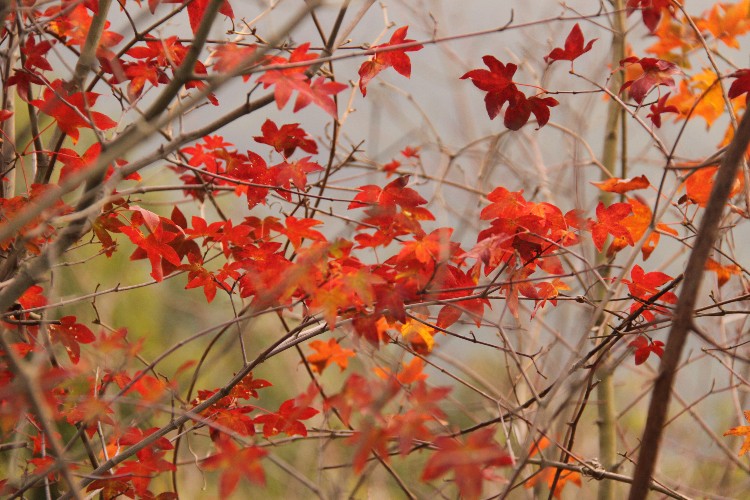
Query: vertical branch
{"type": "Point", "coordinates": [8, 131]}
{"type": "Point", "coordinates": [683, 315]}
{"type": "Point", "coordinates": [605, 389]}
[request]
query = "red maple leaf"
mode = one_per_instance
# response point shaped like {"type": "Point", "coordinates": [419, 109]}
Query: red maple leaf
{"type": "Point", "coordinates": [36, 54]}
{"type": "Point", "coordinates": [248, 387]}
{"type": "Point", "coordinates": [651, 11]}
{"type": "Point", "coordinates": [139, 73]}
{"type": "Point", "coordinates": [296, 172]}
{"type": "Point", "coordinates": [33, 297]}
{"type": "Point", "coordinates": [196, 10]}
{"type": "Point", "coordinates": [644, 348]}
{"type": "Point", "coordinates": [148, 463]}
{"type": "Point", "coordinates": [229, 57]}
{"type": "Point", "coordinates": [660, 108]}
{"type": "Point", "coordinates": [396, 59]}
{"type": "Point", "coordinates": [610, 222]}
{"type": "Point", "coordinates": [500, 88]}
{"type": "Point", "coordinates": [298, 229]}
{"type": "Point", "coordinates": [235, 463]}
{"type": "Point", "coordinates": [72, 111]}
{"type": "Point", "coordinates": [394, 193]}
{"type": "Point", "coordinates": [286, 139]}
{"type": "Point", "coordinates": [287, 419]}
{"type": "Point", "coordinates": [467, 460]}
{"type": "Point", "coordinates": [155, 246]}
{"type": "Point", "coordinates": [656, 72]}
{"type": "Point", "coordinates": [741, 85]}
{"type": "Point", "coordinates": [319, 92]}
{"type": "Point", "coordinates": [70, 334]}
{"type": "Point", "coordinates": [288, 80]}
{"type": "Point", "coordinates": [642, 286]}
{"type": "Point", "coordinates": [574, 47]}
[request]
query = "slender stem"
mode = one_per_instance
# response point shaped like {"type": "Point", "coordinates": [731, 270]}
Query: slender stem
{"type": "Point", "coordinates": [605, 389]}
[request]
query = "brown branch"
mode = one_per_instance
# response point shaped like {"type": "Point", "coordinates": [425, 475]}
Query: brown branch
{"type": "Point", "coordinates": [683, 316]}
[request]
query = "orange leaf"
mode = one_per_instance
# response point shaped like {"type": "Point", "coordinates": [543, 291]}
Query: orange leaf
{"type": "Point", "coordinates": [621, 186]}
{"type": "Point", "coordinates": [548, 475]}
{"type": "Point", "coordinates": [742, 430]}
{"type": "Point", "coordinates": [723, 273]}
{"type": "Point", "coordinates": [328, 353]}
{"type": "Point", "coordinates": [700, 97]}
{"type": "Point", "coordinates": [698, 186]}
{"type": "Point", "coordinates": [418, 333]}
{"type": "Point", "coordinates": [725, 22]}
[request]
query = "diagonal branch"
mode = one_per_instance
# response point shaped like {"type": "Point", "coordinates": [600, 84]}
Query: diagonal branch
{"type": "Point", "coordinates": [683, 315]}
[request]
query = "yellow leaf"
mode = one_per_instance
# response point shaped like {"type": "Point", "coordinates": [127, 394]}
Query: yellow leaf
{"type": "Point", "coordinates": [417, 332]}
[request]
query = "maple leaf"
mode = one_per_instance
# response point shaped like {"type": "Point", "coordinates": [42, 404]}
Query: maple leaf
{"type": "Point", "coordinates": [418, 333]}
{"type": "Point", "coordinates": [656, 72]}
{"type": "Point", "coordinates": [700, 183]}
{"type": "Point", "coordinates": [500, 88]}
{"type": "Point", "coordinates": [155, 246]}
{"type": "Point", "coordinates": [548, 474]}
{"type": "Point", "coordinates": [610, 222]}
{"type": "Point", "coordinates": [32, 297]}
{"type": "Point", "coordinates": [288, 80]}
{"type": "Point", "coordinates": [723, 273]}
{"type": "Point", "coordinates": [71, 111]}
{"type": "Point", "coordinates": [396, 59]}
{"type": "Point", "coordinates": [286, 139]}
{"type": "Point", "coordinates": [674, 34]}
{"type": "Point", "coordinates": [617, 185]}
{"type": "Point", "coordinates": [651, 10]}
{"type": "Point", "coordinates": [296, 172]}
{"type": "Point", "coordinates": [644, 348]}
{"type": "Point", "coordinates": [660, 108]}
{"type": "Point", "coordinates": [574, 47]}
{"type": "Point", "coordinates": [459, 284]}
{"type": "Point", "coordinates": [319, 92]}
{"type": "Point", "coordinates": [139, 73]}
{"type": "Point", "coordinates": [249, 386]}
{"type": "Point", "coordinates": [328, 353]}
{"type": "Point", "coordinates": [229, 57]}
{"type": "Point", "coordinates": [196, 10]}
{"type": "Point", "coordinates": [236, 463]}
{"type": "Point", "coordinates": [298, 229]}
{"type": "Point", "coordinates": [726, 22]}
{"type": "Point", "coordinates": [643, 286]}
{"type": "Point", "coordinates": [467, 460]}
{"type": "Point", "coordinates": [741, 85]}
{"type": "Point", "coordinates": [543, 292]}
{"type": "Point", "coordinates": [35, 54]}
{"type": "Point", "coordinates": [72, 162]}
{"type": "Point", "coordinates": [395, 193]}
{"type": "Point", "coordinates": [373, 439]}
{"type": "Point", "coordinates": [520, 109]}
{"type": "Point", "coordinates": [637, 224]}
{"type": "Point", "coordinates": [148, 463]}
{"type": "Point", "coordinates": [410, 372]}
{"type": "Point", "coordinates": [742, 430]}
{"type": "Point", "coordinates": [70, 334]}
{"type": "Point", "coordinates": [287, 419]}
